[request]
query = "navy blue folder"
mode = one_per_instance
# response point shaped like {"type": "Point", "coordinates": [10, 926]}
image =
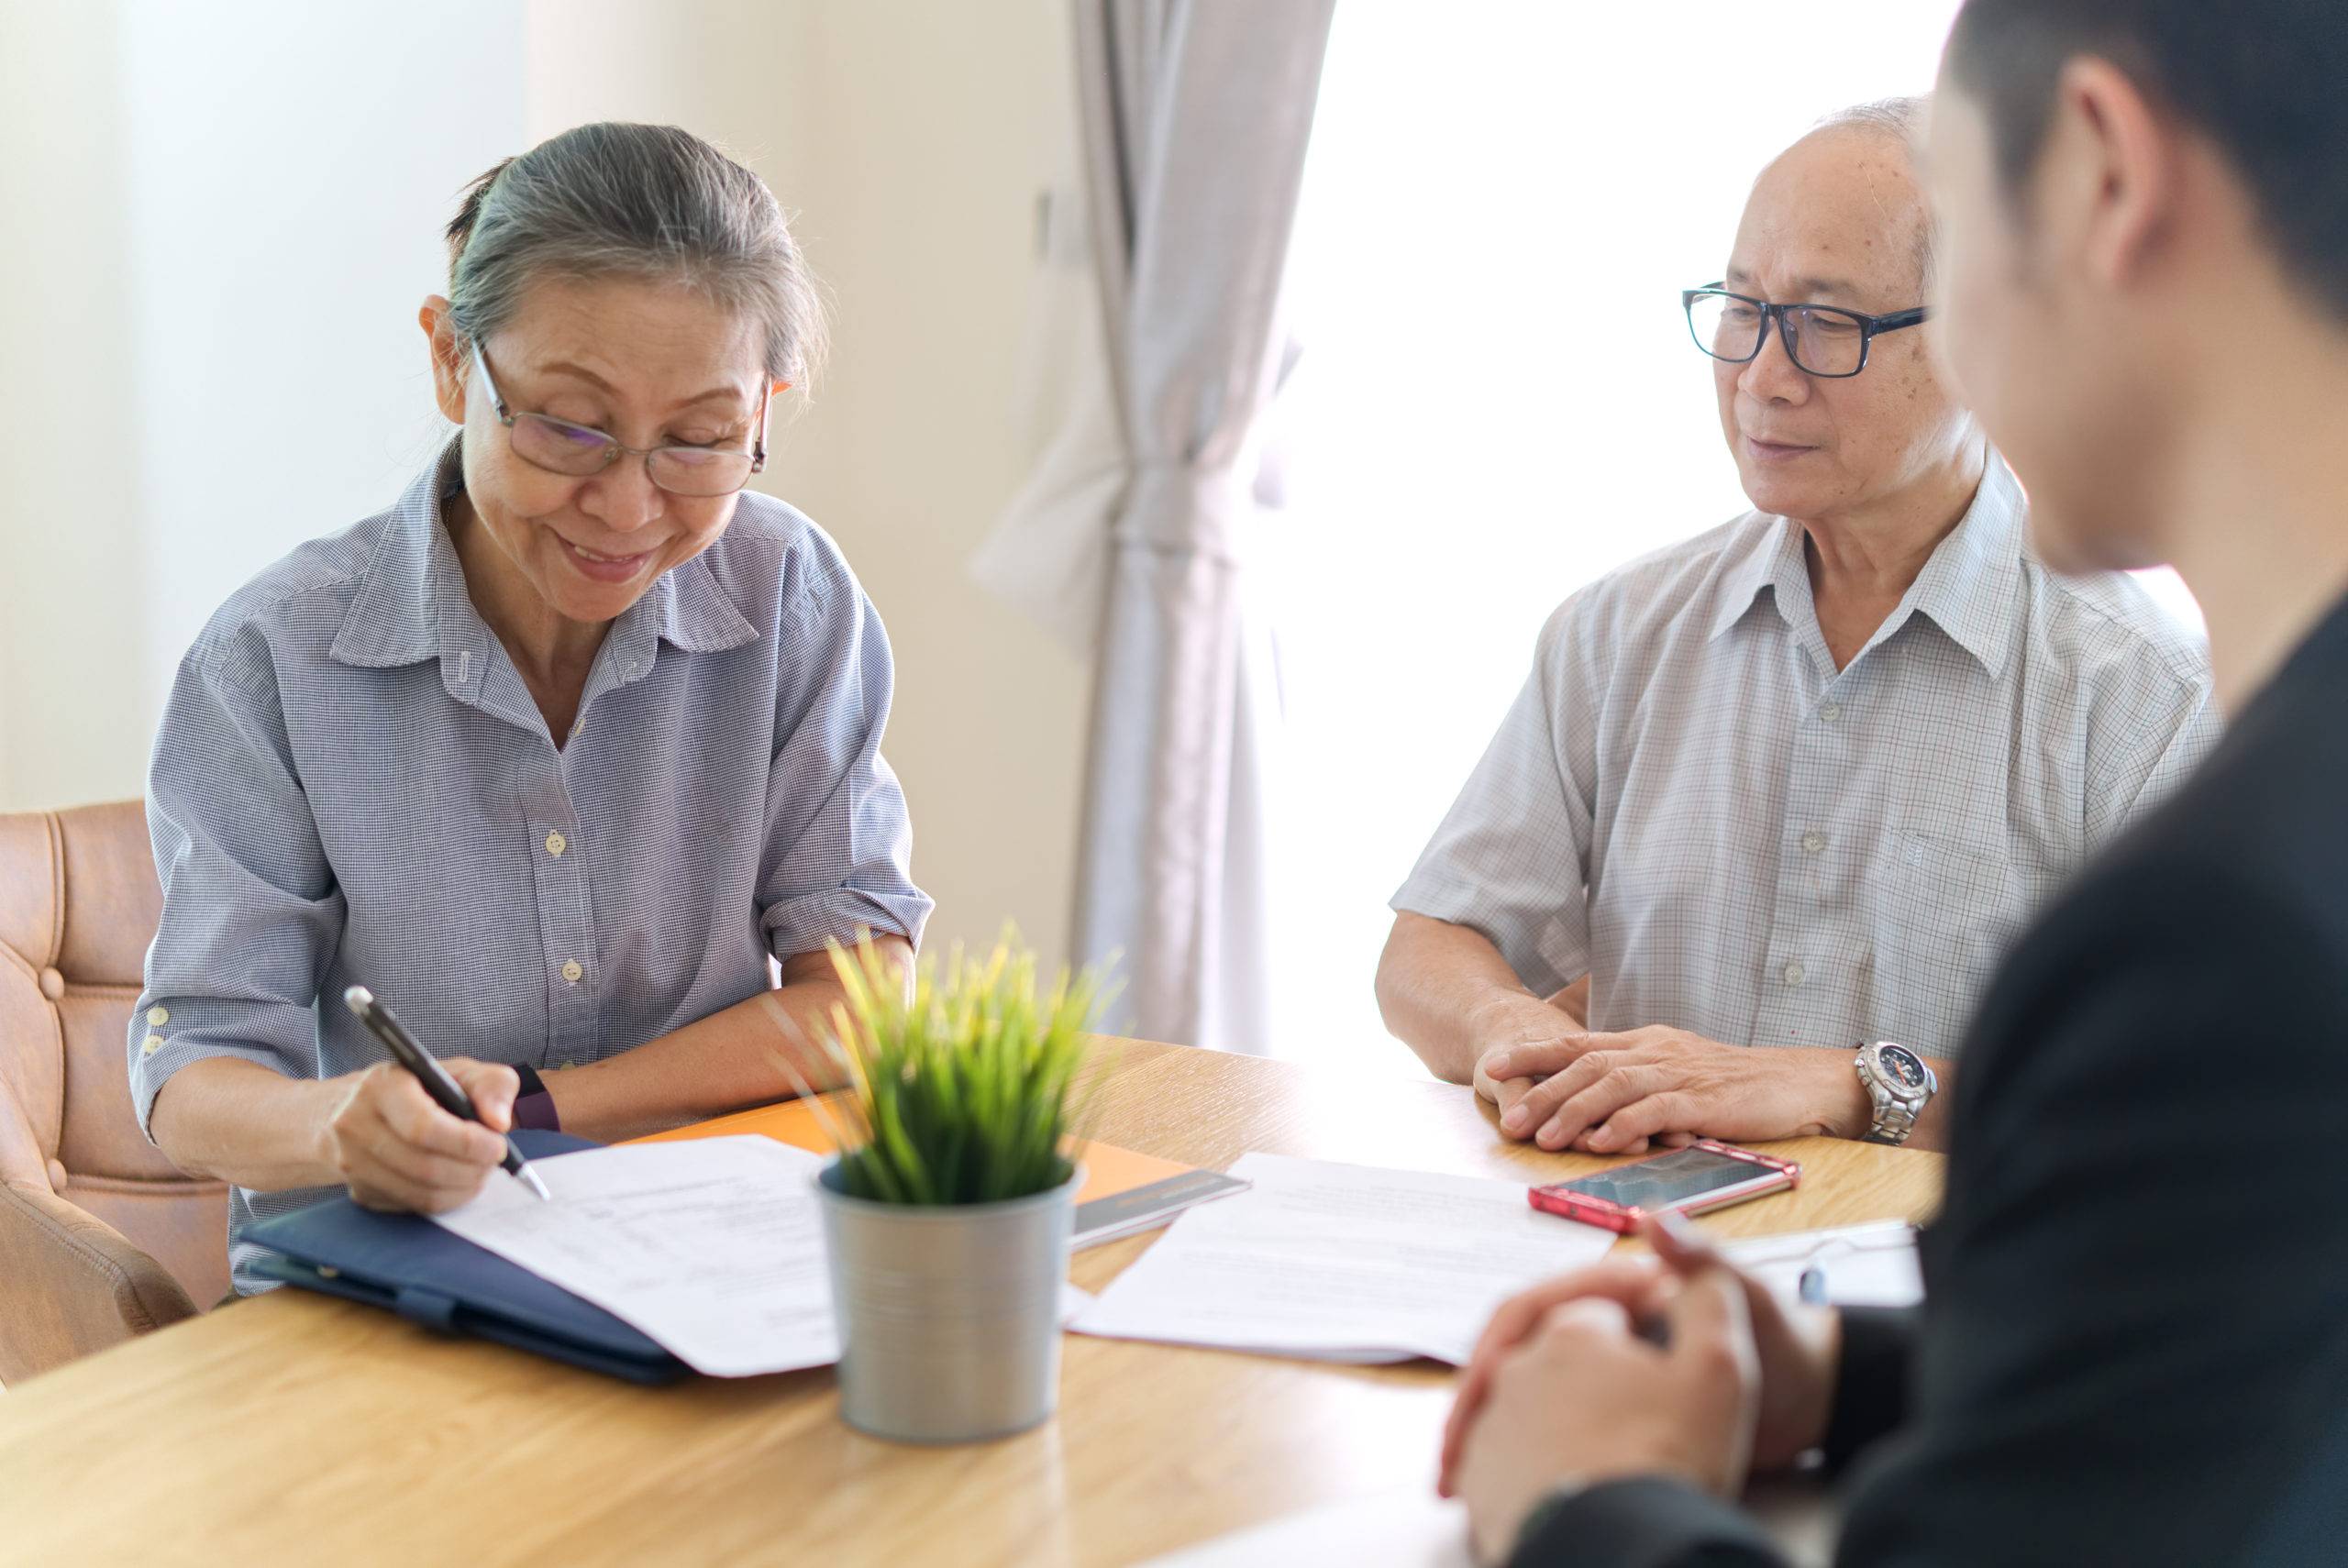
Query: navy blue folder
{"type": "Point", "coordinates": [435, 1277]}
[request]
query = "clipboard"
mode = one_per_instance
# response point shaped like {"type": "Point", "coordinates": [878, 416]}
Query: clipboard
{"type": "Point", "coordinates": [407, 1264]}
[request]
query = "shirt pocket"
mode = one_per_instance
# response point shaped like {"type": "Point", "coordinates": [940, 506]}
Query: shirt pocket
{"type": "Point", "coordinates": [1946, 911]}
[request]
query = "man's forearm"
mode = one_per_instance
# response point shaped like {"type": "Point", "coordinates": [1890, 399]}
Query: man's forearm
{"type": "Point", "coordinates": [1445, 991]}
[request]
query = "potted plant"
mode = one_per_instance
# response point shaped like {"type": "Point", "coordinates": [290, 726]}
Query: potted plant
{"type": "Point", "coordinates": [948, 1212]}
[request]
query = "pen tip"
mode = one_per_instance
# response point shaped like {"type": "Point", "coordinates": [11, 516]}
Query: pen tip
{"type": "Point", "coordinates": [531, 1176]}
{"type": "Point", "coordinates": [358, 999]}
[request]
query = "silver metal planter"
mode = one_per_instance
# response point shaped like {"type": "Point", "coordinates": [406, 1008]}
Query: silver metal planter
{"type": "Point", "coordinates": [950, 1318]}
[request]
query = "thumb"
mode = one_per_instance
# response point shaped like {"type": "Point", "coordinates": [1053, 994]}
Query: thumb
{"type": "Point", "coordinates": [1711, 1327]}
{"type": "Point", "coordinates": [1684, 1249]}
{"type": "Point", "coordinates": [492, 1086]}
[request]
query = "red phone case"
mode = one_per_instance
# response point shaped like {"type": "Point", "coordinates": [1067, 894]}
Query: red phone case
{"type": "Point", "coordinates": [1556, 1198]}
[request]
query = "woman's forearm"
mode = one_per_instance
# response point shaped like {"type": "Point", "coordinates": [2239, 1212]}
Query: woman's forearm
{"type": "Point", "coordinates": [730, 1060]}
{"type": "Point", "coordinates": [238, 1121]}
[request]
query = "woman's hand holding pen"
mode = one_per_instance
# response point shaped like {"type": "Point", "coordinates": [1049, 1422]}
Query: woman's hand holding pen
{"type": "Point", "coordinates": [397, 1150]}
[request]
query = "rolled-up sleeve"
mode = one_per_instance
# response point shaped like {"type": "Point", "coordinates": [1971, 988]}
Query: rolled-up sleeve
{"type": "Point", "coordinates": [1510, 859]}
{"type": "Point", "coordinates": [838, 855]}
{"type": "Point", "coordinates": [251, 910]}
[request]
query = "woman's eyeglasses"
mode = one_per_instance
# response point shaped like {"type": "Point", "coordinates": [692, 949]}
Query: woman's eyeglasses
{"type": "Point", "coordinates": [561, 448]}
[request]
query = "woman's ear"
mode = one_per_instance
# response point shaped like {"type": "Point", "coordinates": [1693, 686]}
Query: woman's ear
{"type": "Point", "coordinates": [448, 356]}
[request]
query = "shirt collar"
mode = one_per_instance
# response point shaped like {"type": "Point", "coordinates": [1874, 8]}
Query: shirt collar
{"type": "Point", "coordinates": [1969, 588]}
{"type": "Point", "coordinates": [413, 604]}
{"type": "Point", "coordinates": [1773, 559]}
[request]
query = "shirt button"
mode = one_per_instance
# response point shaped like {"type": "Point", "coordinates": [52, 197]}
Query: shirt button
{"type": "Point", "coordinates": [1812, 842]}
{"type": "Point", "coordinates": [154, 1043]}
{"type": "Point", "coordinates": [158, 1015]}
{"type": "Point", "coordinates": [556, 844]}
{"type": "Point", "coordinates": [1795, 974]}
{"type": "Point", "coordinates": [1831, 712]}
{"type": "Point", "coordinates": [571, 971]}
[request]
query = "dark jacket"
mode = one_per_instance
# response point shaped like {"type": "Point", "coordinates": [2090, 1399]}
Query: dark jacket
{"type": "Point", "coordinates": [2134, 1346]}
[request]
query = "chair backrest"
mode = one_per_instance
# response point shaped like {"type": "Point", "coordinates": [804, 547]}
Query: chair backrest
{"type": "Point", "coordinates": [101, 1237]}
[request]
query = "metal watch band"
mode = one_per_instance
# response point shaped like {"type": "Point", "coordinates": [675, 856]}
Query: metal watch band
{"type": "Point", "coordinates": [533, 1106]}
{"type": "Point", "coordinates": [1894, 1118]}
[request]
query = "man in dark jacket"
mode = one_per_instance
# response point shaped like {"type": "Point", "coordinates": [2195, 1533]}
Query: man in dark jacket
{"type": "Point", "coordinates": [2136, 1343]}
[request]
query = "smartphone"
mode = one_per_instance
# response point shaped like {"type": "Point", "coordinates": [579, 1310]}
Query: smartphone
{"type": "Point", "coordinates": [1703, 1176]}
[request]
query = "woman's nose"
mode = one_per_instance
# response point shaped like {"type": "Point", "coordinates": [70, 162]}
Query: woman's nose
{"type": "Point", "coordinates": [623, 497]}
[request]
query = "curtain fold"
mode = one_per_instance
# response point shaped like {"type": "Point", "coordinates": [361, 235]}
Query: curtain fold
{"type": "Point", "coordinates": [1135, 533]}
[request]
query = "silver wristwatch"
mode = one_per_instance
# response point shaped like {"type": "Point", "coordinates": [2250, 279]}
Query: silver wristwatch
{"type": "Point", "coordinates": [1900, 1086]}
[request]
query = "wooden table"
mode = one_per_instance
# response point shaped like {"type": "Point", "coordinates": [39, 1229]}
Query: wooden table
{"type": "Point", "coordinates": [299, 1428]}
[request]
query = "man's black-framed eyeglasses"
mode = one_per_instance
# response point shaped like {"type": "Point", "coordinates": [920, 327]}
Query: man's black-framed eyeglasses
{"type": "Point", "coordinates": [1821, 339]}
{"type": "Point", "coordinates": [580, 451]}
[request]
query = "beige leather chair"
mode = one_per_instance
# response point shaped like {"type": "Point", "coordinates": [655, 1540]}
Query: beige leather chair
{"type": "Point", "coordinates": [100, 1237]}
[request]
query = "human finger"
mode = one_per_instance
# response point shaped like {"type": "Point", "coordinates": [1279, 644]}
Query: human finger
{"type": "Point", "coordinates": [1547, 1094]}
{"type": "Point", "coordinates": [411, 1114]}
{"type": "Point", "coordinates": [1671, 1111]}
{"type": "Point", "coordinates": [491, 1086]}
{"type": "Point", "coordinates": [1629, 1280]}
{"type": "Point", "coordinates": [1620, 1086]}
{"type": "Point", "coordinates": [1540, 1058]}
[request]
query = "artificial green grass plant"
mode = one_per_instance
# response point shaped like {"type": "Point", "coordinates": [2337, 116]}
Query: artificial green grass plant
{"type": "Point", "coordinates": [964, 1090]}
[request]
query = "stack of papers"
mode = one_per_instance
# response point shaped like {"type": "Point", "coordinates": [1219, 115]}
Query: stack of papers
{"type": "Point", "coordinates": [714, 1248]}
{"type": "Point", "coordinates": [1124, 1193]}
{"type": "Point", "coordinates": [1342, 1262]}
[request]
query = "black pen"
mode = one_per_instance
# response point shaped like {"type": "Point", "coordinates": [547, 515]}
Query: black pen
{"type": "Point", "coordinates": [444, 1090]}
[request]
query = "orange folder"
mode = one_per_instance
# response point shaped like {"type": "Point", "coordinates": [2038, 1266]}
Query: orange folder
{"type": "Point", "coordinates": [1108, 1170]}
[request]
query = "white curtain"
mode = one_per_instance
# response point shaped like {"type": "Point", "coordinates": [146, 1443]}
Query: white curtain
{"type": "Point", "coordinates": [1134, 536]}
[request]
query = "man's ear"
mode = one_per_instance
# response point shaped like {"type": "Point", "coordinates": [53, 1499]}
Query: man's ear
{"type": "Point", "coordinates": [2124, 169]}
{"type": "Point", "coordinates": [449, 360]}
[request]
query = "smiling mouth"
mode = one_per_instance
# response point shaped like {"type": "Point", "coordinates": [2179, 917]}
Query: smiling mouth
{"type": "Point", "coordinates": [583, 553]}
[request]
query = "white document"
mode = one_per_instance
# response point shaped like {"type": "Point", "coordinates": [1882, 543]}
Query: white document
{"type": "Point", "coordinates": [1412, 1528]}
{"type": "Point", "coordinates": [712, 1246]}
{"type": "Point", "coordinates": [1860, 1265]}
{"type": "Point", "coordinates": [1337, 1261]}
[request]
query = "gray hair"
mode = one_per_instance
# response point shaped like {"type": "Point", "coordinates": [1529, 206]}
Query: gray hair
{"type": "Point", "coordinates": [1901, 120]}
{"type": "Point", "coordinates": [631, 201]}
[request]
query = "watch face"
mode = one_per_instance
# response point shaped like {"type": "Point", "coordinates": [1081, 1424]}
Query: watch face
{"type": "Point", "coordinates": [1901, 1066]}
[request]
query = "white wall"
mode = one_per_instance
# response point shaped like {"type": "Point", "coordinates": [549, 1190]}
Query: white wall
{"type": "Point", "coordinates": [221, 224]}
{"type": "Point", "coordinates": [290, 164]}
{"type": "Point", "coordinates": [912, 139]}
{"type": "Point", "coordinates": [223, 217]}
{"type": "Point", "coordinates": [73, 604]}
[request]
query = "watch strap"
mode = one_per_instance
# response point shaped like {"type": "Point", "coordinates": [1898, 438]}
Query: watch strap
{"type": "Point", "coordinates": [533, 1106]}
{"type": "Point", "coordinates": [1894, 1115]}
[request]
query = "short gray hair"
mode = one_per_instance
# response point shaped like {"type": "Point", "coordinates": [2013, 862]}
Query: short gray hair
{"type": "Point", "coordinates": [631, 201]}
{"type": "Point", "coordinates": [1901, 120]}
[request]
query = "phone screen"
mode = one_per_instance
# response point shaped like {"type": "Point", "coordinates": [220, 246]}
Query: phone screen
{"type": "Point", "coordinates": [1666, 1179]}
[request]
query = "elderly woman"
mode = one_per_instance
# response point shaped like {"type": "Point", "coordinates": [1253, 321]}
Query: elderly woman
{"type": "Point", "coordinates": [556, 753]}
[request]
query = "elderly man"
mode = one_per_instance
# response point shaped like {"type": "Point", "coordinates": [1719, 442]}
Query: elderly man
{"type": "Point", "coordinates": [1794, 782]}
